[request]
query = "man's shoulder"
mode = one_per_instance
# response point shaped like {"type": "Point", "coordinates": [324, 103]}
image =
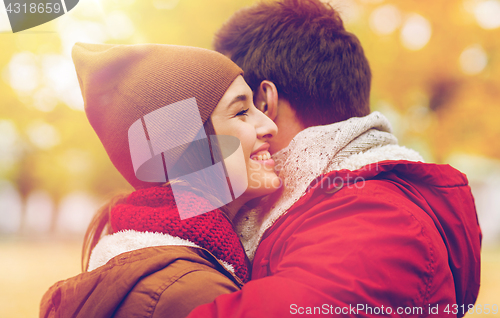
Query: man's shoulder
{"type": "Point", "coordinates": [440, 175]}
{"type": "Point", "coordinates": [373, 199]}
{"type": "Point", "coordinates": [371, 231]}
{"type": "Point", "coordinates": [405, 183]}
{"type": "Point", "coordinates": [379, 181]}
{"type": "Point", "coordinates": [379, 196]}
{"type": "Point", "coordinates": [400, 217]}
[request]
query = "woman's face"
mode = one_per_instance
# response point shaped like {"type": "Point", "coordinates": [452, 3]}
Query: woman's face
{"type": "Point", "coordinates": [250, 168]}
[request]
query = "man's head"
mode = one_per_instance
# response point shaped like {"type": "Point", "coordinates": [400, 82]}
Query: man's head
{"type": "Point", "coordinates": [300, 49]}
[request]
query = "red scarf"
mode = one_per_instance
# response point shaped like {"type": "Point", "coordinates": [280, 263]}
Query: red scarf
{"type": "Point", "coordinates": [154, 210]}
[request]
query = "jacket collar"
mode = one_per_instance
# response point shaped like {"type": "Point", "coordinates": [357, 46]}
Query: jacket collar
{"type": "Point", "coordinates": [125, 241]}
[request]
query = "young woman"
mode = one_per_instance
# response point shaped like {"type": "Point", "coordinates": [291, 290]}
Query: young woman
{"type": "Point", "coordinates": [180, 125]}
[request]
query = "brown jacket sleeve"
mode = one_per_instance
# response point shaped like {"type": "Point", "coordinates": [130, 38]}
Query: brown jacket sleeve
{"type": "Point", "coordinates": [166, 281]}
{"type": "Point", "coordinates": [174, 291]}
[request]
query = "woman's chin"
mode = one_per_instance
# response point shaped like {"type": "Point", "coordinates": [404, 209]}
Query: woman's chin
{"type": "Point", "coordinates": [264, 185]}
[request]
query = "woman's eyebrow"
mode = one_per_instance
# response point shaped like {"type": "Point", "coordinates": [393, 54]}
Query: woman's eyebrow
{"type": "Point", "coordinates": [239, 98]}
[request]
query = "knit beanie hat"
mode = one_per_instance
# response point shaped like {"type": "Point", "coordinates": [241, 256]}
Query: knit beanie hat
{"type": "Point", "coordinates": [144, 99]}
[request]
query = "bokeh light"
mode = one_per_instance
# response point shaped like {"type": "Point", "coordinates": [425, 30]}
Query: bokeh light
{"type": "Point", "coordinates": [487, 14]}
{"type": "Point", "coordinates": [74, 30]}
{"type": "Point", "coordinates": [77, 161]}
{"type": "Point", "coordinates": [119, 26]}
{"type": "Point", "coordinates": [10, 208]}
{"type": "Point", "coordinates": [385, 19]}
{"type": "Point", "coordinates": [23, 73]}
{"type": "Point", "coordinates": [9, 145]}
{"type": "Point", "coordinates": [75, 212]}
{"type": "Point", "coordinates": [350, 11]}
{"type": "Point", "coordinates": [44, 99]}
{"type": "Point", "coordinates": [473, 59]}
{"type": "Point", "coordinates": [59, 77]}
{"type": "Point", "coordinates": [416, 32]}
{"type": "Point", "coordinates": [39, 212]}
{"type": "Point", "coordinates": [43, 135]}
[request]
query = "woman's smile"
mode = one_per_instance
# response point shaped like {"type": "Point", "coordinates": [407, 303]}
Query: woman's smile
{"type": "Point", "coordinates": [236, 115]}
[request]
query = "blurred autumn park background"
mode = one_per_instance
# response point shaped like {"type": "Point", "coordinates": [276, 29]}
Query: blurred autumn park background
{"type": "Point", "coordinates": [436, 76]}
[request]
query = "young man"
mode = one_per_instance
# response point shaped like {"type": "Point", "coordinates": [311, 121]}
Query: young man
{"type": "Point", "coordinates": [362, 227]}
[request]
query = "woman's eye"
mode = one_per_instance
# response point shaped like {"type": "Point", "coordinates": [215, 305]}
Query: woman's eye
{"type": "Point", "coordinates": [243, 112]}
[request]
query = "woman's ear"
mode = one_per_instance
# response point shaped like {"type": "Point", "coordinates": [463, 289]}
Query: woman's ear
{"type": "Point", "coordinates": [266, 99]}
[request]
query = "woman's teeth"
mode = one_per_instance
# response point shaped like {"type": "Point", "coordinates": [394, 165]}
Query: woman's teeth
{"type": "Point", "coordinates": [262, 156]}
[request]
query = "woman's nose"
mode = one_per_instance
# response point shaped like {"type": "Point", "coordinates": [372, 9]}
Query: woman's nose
{"type": "Point", "coordinates": [266, 128]}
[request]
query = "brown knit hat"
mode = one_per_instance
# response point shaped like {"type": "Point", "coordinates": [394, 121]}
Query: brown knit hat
{"type": "Point", "coordinates": [122, 84]}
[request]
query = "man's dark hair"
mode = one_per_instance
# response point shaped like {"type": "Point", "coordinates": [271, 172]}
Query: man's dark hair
{"type": "Point", "coordinates": [303, 48]}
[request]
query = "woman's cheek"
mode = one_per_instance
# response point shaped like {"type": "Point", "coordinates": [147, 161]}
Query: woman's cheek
{"type": "Point", "coordinates": [236, 167]}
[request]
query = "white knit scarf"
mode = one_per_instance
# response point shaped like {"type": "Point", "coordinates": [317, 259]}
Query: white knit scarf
{"type": "Point", "coordinates": [317, 150]}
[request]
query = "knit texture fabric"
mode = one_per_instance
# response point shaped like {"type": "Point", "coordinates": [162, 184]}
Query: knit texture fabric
{"type": "Point", "coordinates": [155, 210]}
{"type": "Point", "coordinates": [122, 84]}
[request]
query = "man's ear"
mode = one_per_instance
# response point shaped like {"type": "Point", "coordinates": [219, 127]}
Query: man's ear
{"type": "Point", "coordinates": [266, 99]}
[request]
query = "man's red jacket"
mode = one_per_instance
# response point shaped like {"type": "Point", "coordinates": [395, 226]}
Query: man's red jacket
{"type": "Point", "coordinates": [395, 238]}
